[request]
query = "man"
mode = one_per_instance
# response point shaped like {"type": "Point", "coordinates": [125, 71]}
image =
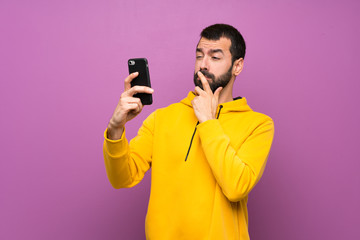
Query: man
{"type": "Point", "coordinates": [206, 152]}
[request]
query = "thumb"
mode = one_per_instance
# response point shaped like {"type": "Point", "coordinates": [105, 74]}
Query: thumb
{"type": "Point", "coordinates": [217, 92]}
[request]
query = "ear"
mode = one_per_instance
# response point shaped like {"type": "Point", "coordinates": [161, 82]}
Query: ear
{"type": "Point", "coordinates": [238, 66]}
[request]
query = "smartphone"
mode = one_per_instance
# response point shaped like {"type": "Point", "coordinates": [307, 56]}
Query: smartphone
{"type": "Point", "coordinates": [140, 65]}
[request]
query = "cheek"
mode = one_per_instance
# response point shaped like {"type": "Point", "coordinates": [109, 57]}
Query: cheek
{"type": "Point", "coordinates": [217, 70]}
{"type": "Point", "coordinates": [222, 68]}
{"type": "Point", "coordinates": [197, 66]}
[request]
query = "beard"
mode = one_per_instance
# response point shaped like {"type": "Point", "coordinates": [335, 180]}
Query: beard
{"type": "Point", "coordinates": [215, 82]}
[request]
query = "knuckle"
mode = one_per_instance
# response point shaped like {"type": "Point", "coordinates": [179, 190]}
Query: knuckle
{"type": "Point", "coordinates": [123, 95]}
{"type": "Point", "coordinates": [136, 88]}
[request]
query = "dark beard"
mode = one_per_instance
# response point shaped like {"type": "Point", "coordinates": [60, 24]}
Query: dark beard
{"type": "Point", "coordinates": [220, 81]}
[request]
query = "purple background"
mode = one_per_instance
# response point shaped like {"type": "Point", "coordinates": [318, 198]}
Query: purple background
{"type": "Point", "coordinates": [62, 69]}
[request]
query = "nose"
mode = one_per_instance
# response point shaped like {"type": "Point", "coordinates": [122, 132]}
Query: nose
{"type": "Point", "coordinates": [204, 65]}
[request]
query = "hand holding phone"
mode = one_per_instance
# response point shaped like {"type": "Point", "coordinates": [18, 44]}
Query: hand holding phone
{"type": "Point", "coordinates": [140, 65]}
{"type": "Point", "coordinates": [127, 108]}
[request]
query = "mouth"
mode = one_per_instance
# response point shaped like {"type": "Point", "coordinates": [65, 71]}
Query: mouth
{"type": "Point", "coordinates": [207, 75]}
{"type": "Point", "coordinates": [209, 79]}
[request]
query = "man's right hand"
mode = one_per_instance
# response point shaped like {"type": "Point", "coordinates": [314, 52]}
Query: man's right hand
{"type": "Point", "coordinates": [127, 108]}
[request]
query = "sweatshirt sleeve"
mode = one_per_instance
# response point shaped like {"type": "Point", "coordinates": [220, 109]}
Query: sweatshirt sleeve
{"type": "Point", "coordinates": [236, 170]}
{"type": "Point", "coordinates": [126, 163]}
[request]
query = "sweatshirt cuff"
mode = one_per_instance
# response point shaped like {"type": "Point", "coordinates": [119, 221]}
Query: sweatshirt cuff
{"type": "Point", "coordinates": [114, 147]}
{"type": "Point", "coordinates": [210, 129]}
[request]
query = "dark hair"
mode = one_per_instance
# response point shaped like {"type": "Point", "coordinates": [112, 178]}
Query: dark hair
{"type": "Point", "coordinates": [216, 31]}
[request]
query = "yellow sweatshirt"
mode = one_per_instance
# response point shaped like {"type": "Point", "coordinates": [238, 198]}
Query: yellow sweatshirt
{"type": "Point", "coordinates": [201, 173]}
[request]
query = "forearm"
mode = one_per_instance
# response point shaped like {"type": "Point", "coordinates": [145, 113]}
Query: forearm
{"type": "Point", "coordinates": [126, 163]}
{"type": "Point", "coordinates": [116, 159]}
{"type": "Point", "coordinates": [236, 170]}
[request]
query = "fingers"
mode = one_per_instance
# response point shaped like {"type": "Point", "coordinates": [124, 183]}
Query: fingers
{"type": "Point", "coordinates": [130, 91]}
{"type": "Point", "coordinates": [138, 89]}
{"type": "Point", "coordinates": [135, 107]}
{"type": "Point", "coordinates": [198, 91]}
{"type": "Point", "coordinates": [131, 104]}
{"type": "Point", "coordinates": [128, 80]}
{"type": "Point", "coordinates": [204, 82]}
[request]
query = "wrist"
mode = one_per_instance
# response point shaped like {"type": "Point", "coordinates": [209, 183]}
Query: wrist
{"type": "Point", "coordinates": [204, 119]}
{"type": "Point", "coordinates": [114, 132]}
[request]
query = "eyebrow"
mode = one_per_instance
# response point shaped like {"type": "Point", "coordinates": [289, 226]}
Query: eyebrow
{"type": "Point", "coordinates": [199, 50]}
{"type": "Point", "coordinates": [211, 50]}
{"type": "Point", "coordinates": [216, 51]}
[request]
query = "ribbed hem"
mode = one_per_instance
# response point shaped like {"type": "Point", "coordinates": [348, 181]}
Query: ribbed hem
{"type": "Point", "coordinates": [210, 129]}
{"type": "Point", "coordinates": [115, 147]}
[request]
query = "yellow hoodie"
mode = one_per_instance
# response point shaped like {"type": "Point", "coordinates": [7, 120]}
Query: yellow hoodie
{"type": "Point", "coordinates": [201, 173]}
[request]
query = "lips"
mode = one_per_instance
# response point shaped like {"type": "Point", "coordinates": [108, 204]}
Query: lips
{"type": "Point", "coordinates": [207, 75]}
{"type": "Point", "coordinates": [207, 78]}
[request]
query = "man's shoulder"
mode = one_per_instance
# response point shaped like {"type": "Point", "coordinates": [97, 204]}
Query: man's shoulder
{"type": "Point", "coordinates": [249, 118]}
{"type": "Point", "coordinates": [261, 116]}
{"type": "Point", "coordinates": [174, 107]}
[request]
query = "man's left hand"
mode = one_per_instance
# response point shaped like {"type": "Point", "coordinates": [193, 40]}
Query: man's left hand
{"type": "Point", "coordinates": [205, 102]}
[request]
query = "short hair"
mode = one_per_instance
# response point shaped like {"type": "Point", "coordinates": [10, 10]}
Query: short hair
{"type": "Point", "coordinates": [216, 31]}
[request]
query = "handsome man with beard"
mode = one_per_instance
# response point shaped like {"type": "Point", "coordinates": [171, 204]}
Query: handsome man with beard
{"type": "Point", "coordinates": [206, 152]}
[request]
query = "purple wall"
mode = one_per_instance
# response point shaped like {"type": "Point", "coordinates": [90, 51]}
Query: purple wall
{"type": "Point", "coordinates": [62, 67]}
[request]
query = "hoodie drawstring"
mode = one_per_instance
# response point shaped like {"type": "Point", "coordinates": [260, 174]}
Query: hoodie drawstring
{"type": "Point", "coordinates": [192, 138]}
{"type": "Point", "coordinates": [191, 142]}
{"type": "Point", "coordinates": [220, 107]}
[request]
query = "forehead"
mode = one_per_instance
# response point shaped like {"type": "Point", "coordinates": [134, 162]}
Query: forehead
{"type": "Point", "coordinates": [223, 44]}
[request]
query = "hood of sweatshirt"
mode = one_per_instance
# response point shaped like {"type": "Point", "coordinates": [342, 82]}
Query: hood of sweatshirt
{"type": "Point", "coordinates": [239, 104]}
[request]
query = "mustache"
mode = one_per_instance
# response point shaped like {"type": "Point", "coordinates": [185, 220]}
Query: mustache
{"type": "Point", "coordinates": [207, 74]}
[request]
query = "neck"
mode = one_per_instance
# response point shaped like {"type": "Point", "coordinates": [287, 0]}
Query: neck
{"type": "Point", "coordinates": [226, 94]}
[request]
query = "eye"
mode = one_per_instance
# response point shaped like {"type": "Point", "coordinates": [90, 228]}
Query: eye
{"type": "Point", "coordinates": [215, 58]}
{"type": "Point", "coordinates": [199, 56]}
